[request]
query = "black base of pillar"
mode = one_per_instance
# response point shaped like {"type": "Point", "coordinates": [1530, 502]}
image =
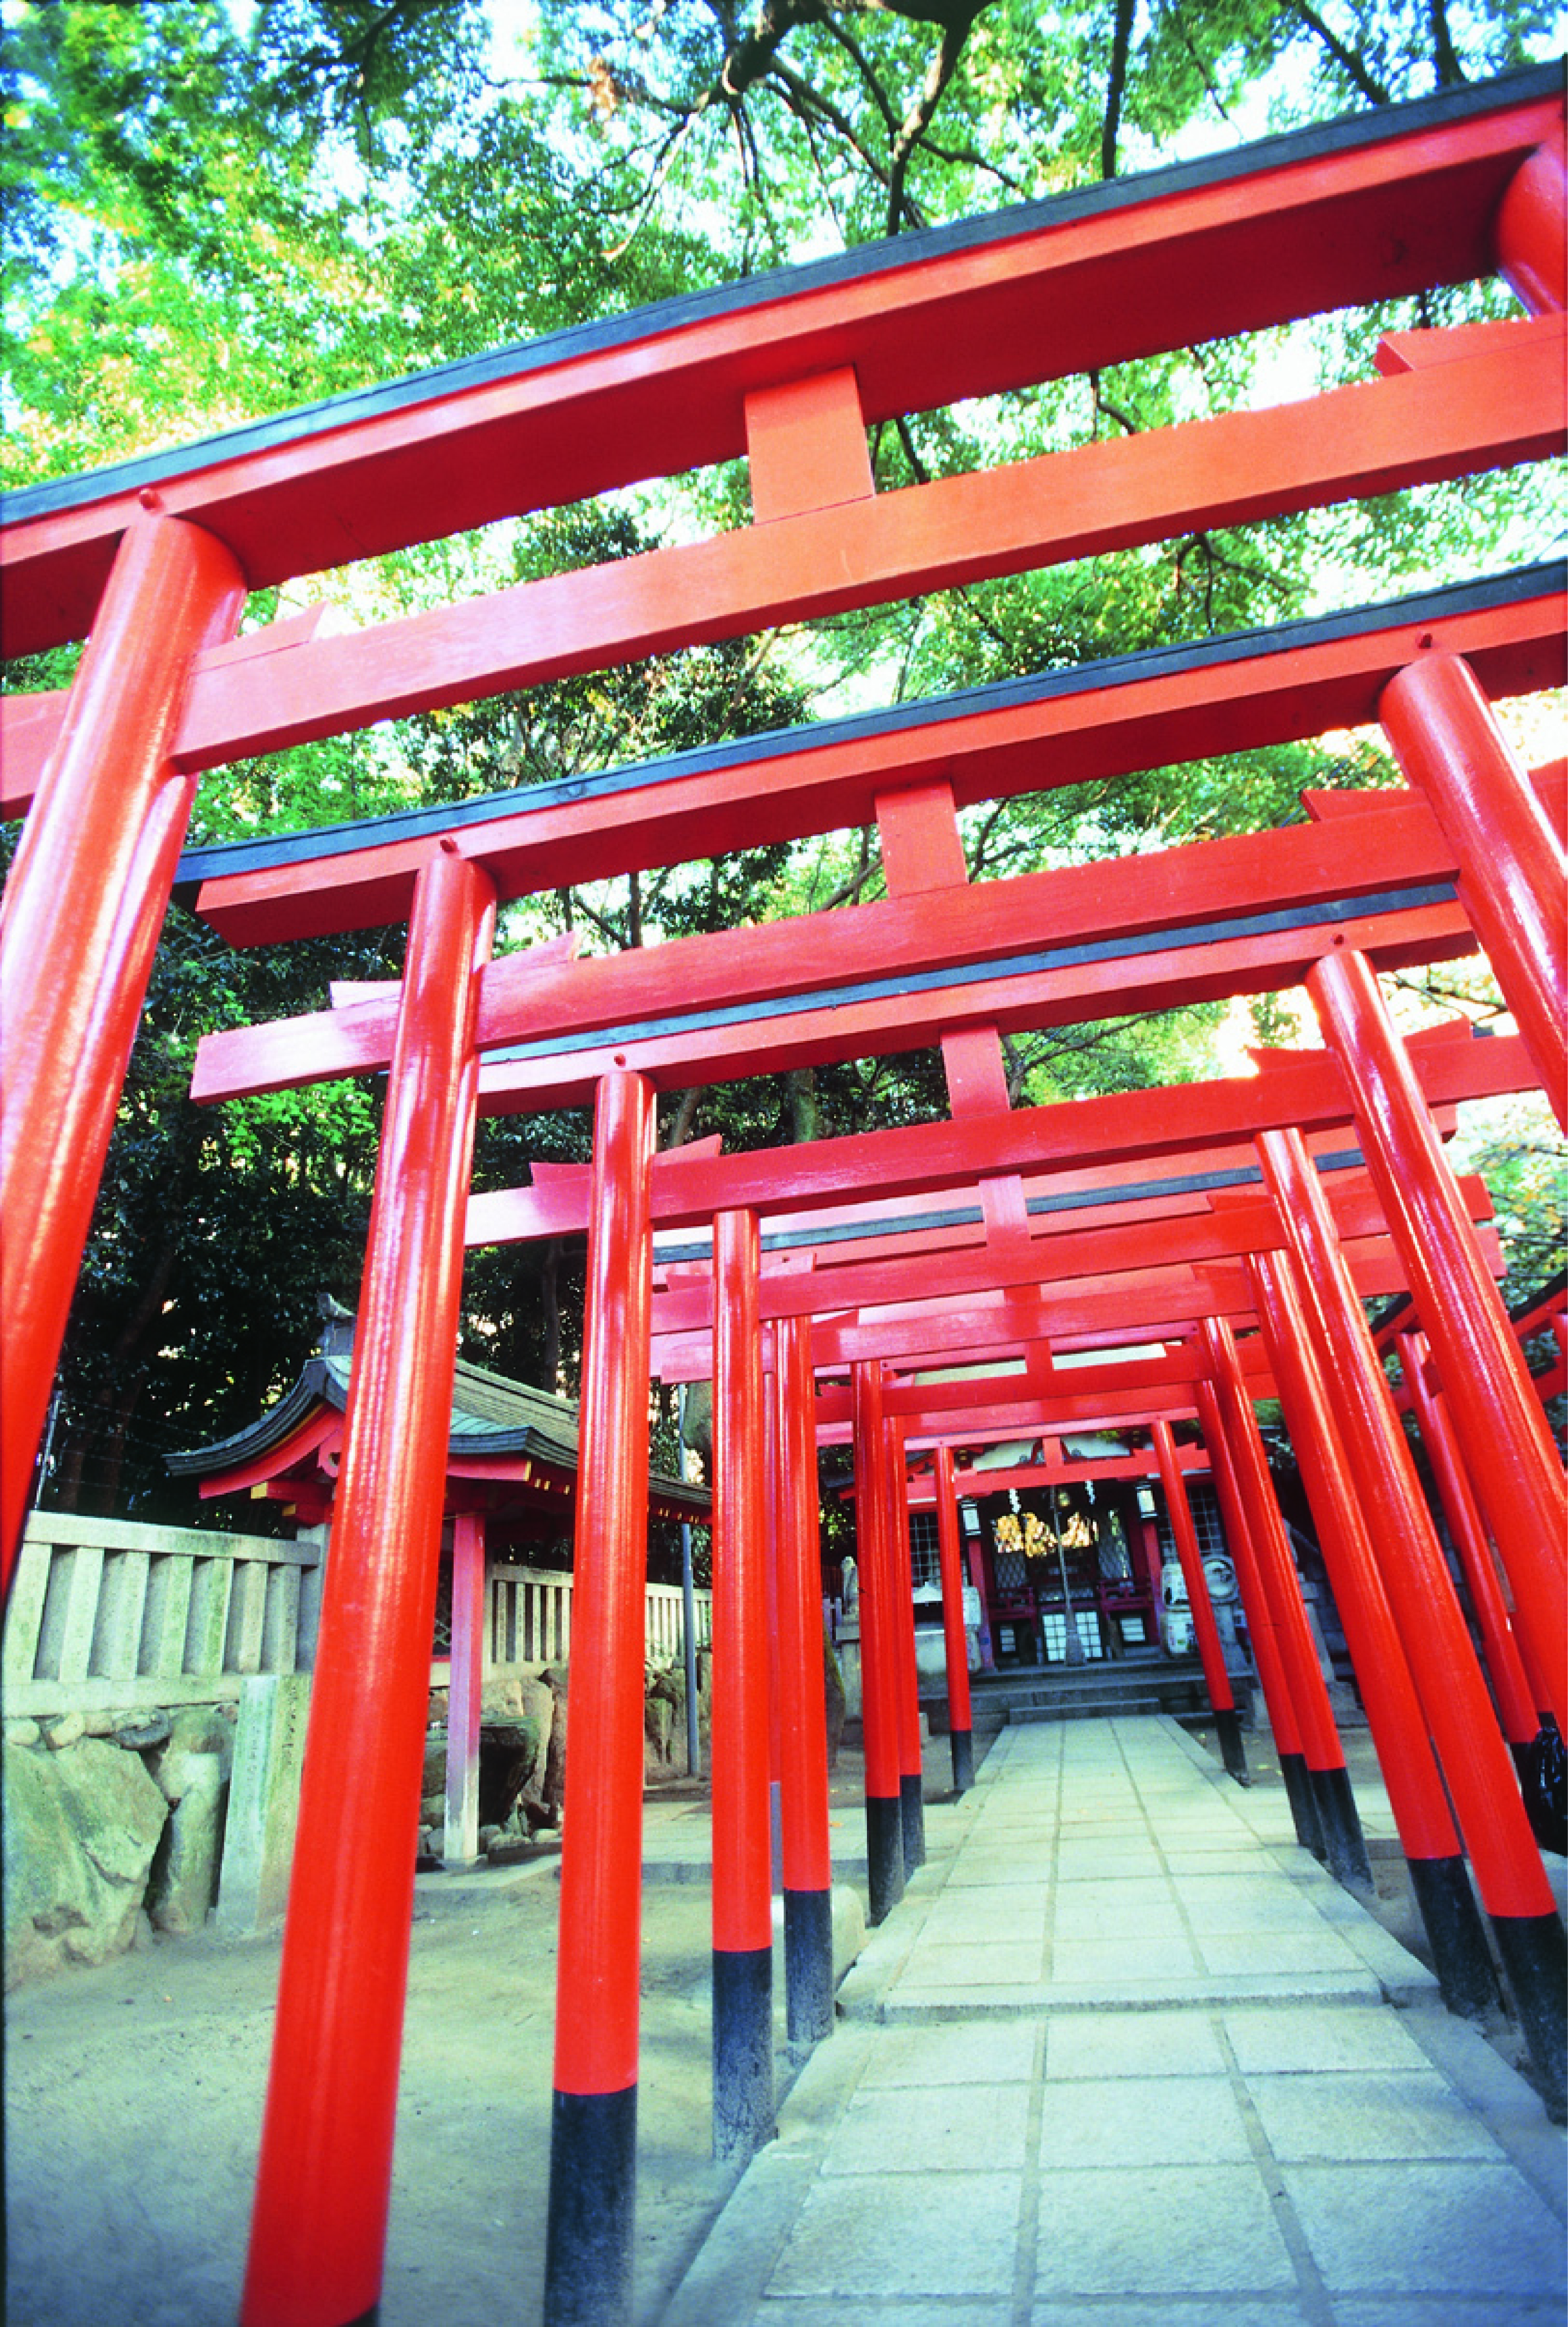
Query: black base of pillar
{"type": "Point", "coordinates": [1303, 1802]}
{"type": "Point", "coordinates": [1535, 1956]}
{"type": "Point", "coordinates": [1340, 1823]}
{"type": "Point", "coordinates": [962, 1742]}
{"type": "Point", "coordinates": [1521, 1754]}
{"type": "Point", "coordinates": [912, 1811]}
{"type": "Point", "coordinates": [588, 2247]}
{"type": "Point", "coordinates": [808, 1965]}
{"type": "Point", "coordinates": [742, 2051]}
{"type": "Point", "coordinates": [1456, 1934]}
{"type": "Point", "coordinates": [884, 1854]}
{"type": "Point", "coordinates": [1232, 1750]}
{"type": "Point", "coordinates": [370, 2318]}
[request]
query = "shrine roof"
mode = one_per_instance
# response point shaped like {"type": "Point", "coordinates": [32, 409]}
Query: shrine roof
{"type": "Point", "coordinates": [493, 1418]}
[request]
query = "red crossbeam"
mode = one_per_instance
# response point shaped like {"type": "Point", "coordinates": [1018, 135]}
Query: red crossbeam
{"type": "Point", "coordinates": [1139, 1308]}
{"type": "Point", "coordinates": [1057, 1259]}
{"type": "Point", "coordinates": [1480, 411]}
{"type": "Point", "coordinates": [1026, 1476]}
{"type": "Point", "coordinates": [1149, 1306]}
{"type": "Point", "coordinates": [1394, 844]}
{"type": "Point", "coordinates": [1094, 734]}
{"type": "Point", "coordinates": [1403, 210]}
{"type": "Point", "coordinates": [1308, 1093]}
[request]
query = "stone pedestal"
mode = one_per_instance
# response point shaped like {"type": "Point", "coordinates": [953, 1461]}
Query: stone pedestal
{"type": "Point", "coordinates": [848, 1647]}
{"type": "Point", "coordinates": [264, 1801]}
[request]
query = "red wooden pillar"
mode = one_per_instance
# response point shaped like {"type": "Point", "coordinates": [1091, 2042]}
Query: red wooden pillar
{"type": "Point", "coordinates": [1265, 1649]}
{"type": "Point", "coordinates": [1508, 1447]}
{"type": "Point", "coordinates": [1475, 1762]}
{"type": "Point", "coordinates": [879, 1678]}
{"type": "Point", "coordinates": [1438, 1880]}
{"type": "Point", "coordinates": [1519, 1715]}
{"type": "Point", "coordinates": [1531, 232]}
{"type": "Point", "coordinates": [83, 909]}
{"type": "Point", "coordinates": [1217, 1680]}
{"type": "Point", "coordinates": [774, 1557]}
{"type": "Point", "coordinates": [742, 1874]}
{"type": "Point", "coordinates": [912, 1765]}
{"type": "Point", "coordinates": [317, 2232]}
{"type": "Point", "coordinates": [594, 2127]}
{"type": "Point", "coordinates": [960, 1721]}
{"type": "Point", "coordinates": [1344, 1850]}
{"type": "Point", "coordinates": [803, 1705]}
{"type": "Point", "coordinates": [1512, 875]}
{"type": "Point", "coordinates": [466, 1687]}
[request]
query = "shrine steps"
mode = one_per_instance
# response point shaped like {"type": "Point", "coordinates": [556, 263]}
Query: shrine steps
{"type": "Point", "coordinates": [1085, 1693]}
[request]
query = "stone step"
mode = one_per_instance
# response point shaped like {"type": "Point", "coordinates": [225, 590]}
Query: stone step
{"type": "Point", "coordinates": [1080, 1694]}
{"type": "Point", "coordinates": [1103, 1693]}
{"type": "Point", "coordinates": [1101, 1709]}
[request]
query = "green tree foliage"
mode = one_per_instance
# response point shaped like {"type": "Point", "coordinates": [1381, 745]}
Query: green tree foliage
{"type": "Point", "coordinates": [218, 211]}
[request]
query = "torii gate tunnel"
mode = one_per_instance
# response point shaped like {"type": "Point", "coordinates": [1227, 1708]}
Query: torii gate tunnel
{"type": "Point", "coordinates": [1222, 1233]}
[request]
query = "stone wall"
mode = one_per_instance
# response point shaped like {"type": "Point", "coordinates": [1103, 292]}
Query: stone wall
{"type": "Point", "coordinates": [114, 1824]}
{"type": "Point", "coordinates": [113, 1828]}
{"type": "Point", "coordinates": [156, 1682]}
{"type": "Point", "coordinates": [523, 1751]}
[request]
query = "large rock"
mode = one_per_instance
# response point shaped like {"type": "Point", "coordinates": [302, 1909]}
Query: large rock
{"type": "Point", "coordinates": [81, 1826]}
{"type": "Point", "coordinates": [139, 1732]}
{"type": "Point", "coordinates": [501, 1698]}
{"type": "Point", "coordinates": [516, 1724]}
{"type": "Point", "coordinates": [185, 1884]}
{"type": "Point", "coordinates": [663, 1720]}
{"type": "Point", "coordinates": [196, 1734]}
{"type": "Point", "coordinates": [553, 1791]}
{"type": "Point", "coordinates": [835, 1699]}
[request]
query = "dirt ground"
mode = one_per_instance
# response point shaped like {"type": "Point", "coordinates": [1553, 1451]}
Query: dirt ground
{"type": "Point", "coordinates": [134, 2098]}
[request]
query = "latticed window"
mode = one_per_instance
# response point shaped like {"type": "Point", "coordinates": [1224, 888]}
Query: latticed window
{"type": "Point", "coordinates": [1053, 1634]}
{"type": "Point", "coordinates": [1204, 1505]}
{"type": "Point", "coordinates": [925, 1565]}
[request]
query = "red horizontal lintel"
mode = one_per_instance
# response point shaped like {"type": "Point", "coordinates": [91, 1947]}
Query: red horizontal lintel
{"type": "Point", "coordinates": [1409, 211]}
{"type": "Point", "coordinates": [1483, 411]}
{"type": "Point", "coordinates": [540, 995]}
{"type": "Point", "coordinates": [1308, 1094]}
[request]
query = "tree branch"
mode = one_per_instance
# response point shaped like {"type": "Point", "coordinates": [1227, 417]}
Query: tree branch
{"type": "Point", "coordinates": [680, 1128]}
{"type": "Point", "coordinates": [1451, 73]}
{"type": "Point", "coordinates": [868, 869]}
{"type": "Point", "coordinates": [922, 475]}
{"type": "Point", "coordinates": [861, 62]}
{"type": "Point", "coordinates": [1103, 404]}
{"type": "Point", "coordinates": [1116, 86]}
{"type": "Point", "coordinates": [938, 73]}
{"type": "Point", "coordinates": [1348, 62]}
{"type": "Point", "coordinates": [806, 102]}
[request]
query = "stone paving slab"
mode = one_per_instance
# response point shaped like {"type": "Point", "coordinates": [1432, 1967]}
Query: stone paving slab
{"type": "Point", "coordinates": [1199, 2106]}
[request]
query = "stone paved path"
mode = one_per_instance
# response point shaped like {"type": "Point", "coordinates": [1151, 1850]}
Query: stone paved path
{"type": "Point", "coordinates": [1126, 2054]}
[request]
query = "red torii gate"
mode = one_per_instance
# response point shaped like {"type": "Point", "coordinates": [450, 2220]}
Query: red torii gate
{"type": "Point", "coordinates": [790, 371]}
{"type": "Point", "coordinates": [1046, 1400]}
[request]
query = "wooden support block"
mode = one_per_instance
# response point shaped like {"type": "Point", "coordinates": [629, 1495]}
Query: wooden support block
{"type": "Point", "coordinates": [806, 443]}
